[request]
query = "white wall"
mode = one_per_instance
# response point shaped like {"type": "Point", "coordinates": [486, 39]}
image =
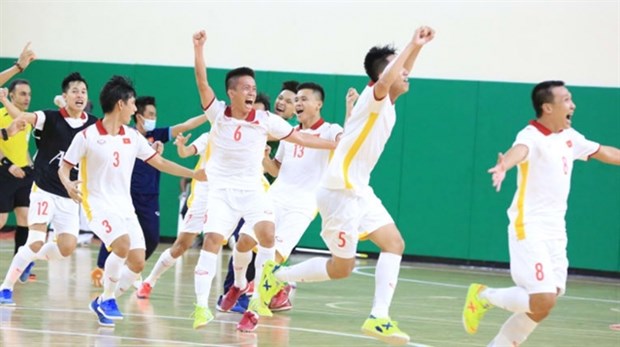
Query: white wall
{"type": "Point", "coordinates": [500, 40]}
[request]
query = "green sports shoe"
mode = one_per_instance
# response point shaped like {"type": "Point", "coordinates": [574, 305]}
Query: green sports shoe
{"type": "Point", "coordinates": [269, 284]}
{"type": "Point", "coordinates": [385, 330]}
{"type": "Point", "coordinates": [474, 308]}
{"type": "Point", "coordinates": [257, 307]}
{"type": "Point", "coordinates": [202, 316]}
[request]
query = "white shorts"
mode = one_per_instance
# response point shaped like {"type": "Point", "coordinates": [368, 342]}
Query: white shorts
{"type": "Point", "coordinates": [346, 215]}
{"type": "Point", "coordinates": [291, 224]}
{"type": "Point", "coordinates": [109, 226]}
{"type": "Point", "coordinates": [225, 207]}
{"type": "Point", "coordinates": [196, 215]}
{"type": "Point", "coordinates": [539, 266]}
{"type": "Point", "coordinates": [63, 214]}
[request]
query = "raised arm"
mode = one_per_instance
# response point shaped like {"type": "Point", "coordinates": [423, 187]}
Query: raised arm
{"type": "Point", "coordinates": [26, 56]}
{"type": "Point", "coordinates": [393, 71]}
{"type": "Point", "coordinates": [350, 99]}
{"type": "Point", "coordinates": [183, 150]}
{"type": "Point", "coordinates": [200, 70]}
{"type": "Point", "coordinates": [514, 156]}
{"type": "Point", "coordinates": [189, 124]}
{"type": "Point", "coordinates": [608, 155]}
{"type": "Point", "coordinates": [16, 126]}
{"type": "Point", "coordinates": [310, 141]}
{"type": "Point", "coordinates": [13, 111]}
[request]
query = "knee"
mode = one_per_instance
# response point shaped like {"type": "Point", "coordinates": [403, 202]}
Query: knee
{"type": "Point", "coordinates": [245, 243]}
{"type": "Point", "coordinates": [66, 249]}
{"type": "Point", "coordinates": [338, 268]}
{"type": "Point", "coordinates": [136, 265]}
{"type": "Point", "coordinates": [542, 304]}
{"type": "Point", "coordinates": [212, 242]}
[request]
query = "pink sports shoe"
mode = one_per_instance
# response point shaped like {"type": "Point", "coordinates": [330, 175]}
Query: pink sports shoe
{"type": "Point", "coordinates": [281, 301]}
{"type": "Point", "coordinates": [231, 297]}
{"type": "Point", "coordinates": [248, 322]}
{"type": "Point", "coordinates": [145, 291]}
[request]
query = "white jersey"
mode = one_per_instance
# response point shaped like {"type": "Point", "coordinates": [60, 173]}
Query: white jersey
{"type": "Point", "coordinates": [201, 144]}
{"type": "Point", "coordinates": [302, 169]}
{"type": "Point", "coordinates": [106, 163]}
{"type": "Point", "coordinates": [365, 134]}
{"type": "Point", "coordinates": [237, 147]}
{"type": "Point", "coordinates": [543, 181]}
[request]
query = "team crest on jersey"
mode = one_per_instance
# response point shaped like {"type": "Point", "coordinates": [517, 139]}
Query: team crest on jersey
{"type": "Point", "coordinates": [101, 141]}
{"type": "Point", "coordinates": [126, 140]}
{"type": "Point", "coordinates": [569, 143]}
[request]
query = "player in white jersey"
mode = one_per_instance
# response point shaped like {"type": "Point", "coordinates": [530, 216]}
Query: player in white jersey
{"type": "Point", "coordinates": [298, 171]}
{"type": "Point", "coordinates": [106, 152]}
{"type": "Point", "coordinates": [194, 218]}
{"type": "Point", "coordinates": [544, 152]}
{"type": "Point", "coordinates": [346, 201]}
{"type": "Point", "coordinates": [237, 141]}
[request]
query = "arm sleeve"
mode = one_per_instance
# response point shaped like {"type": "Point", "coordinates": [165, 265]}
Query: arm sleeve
{"type": "Point", "coordinates": [201, 143]}
{"type": "Point", "coordinates": [278, 127]}
{"type": "Point", "coordinates": [216, 107]}
{"type": "Point", "coordinates": [77, 149]}
{"type": "Point", "coordinates": [40, 120]}
{"type": "Point", "coordinates": [582, 147]}
{"type": "Point", "coordinates": [145, 151]}
{"type": "Point", "coordinates": [526, 137]}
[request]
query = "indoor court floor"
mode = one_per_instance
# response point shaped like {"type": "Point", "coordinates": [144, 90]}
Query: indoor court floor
{"type": "Point", "coordinates": [53, 310]}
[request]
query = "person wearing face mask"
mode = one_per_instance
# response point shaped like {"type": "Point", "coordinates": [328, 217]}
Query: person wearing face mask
{"type": "Point", "coordinates": [145, 179]}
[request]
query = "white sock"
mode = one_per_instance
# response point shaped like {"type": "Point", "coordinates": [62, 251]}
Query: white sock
{"type": "Point", "coordinates": [241, 260]}
{"type": "Point", "coordinates": [20, 261]}
{"type": "Point", "coordinates": [311, 270]}
{"type": "Point", "coordinates": [514, 331]}
{"type": "Point", "coordinates": [386, 278]}
{"type": "Point", "coordinates": [164, 262]}
{"type": "Point", "coordinates": [262, 256]}
{"type": "Point", "coordinates": [126, 280]}
{"type": "Point", "coordinates": [111, 275]}
{"type": "Point", "coordinates": [513, 299]}
{"type": "Point", "coordinates": [203, 276]}
{"type": "Point", "coordinates": [49, 251]}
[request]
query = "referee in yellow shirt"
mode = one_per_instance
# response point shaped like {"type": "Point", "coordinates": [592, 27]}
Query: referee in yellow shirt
{"type": "Point", "coordinates": [16, 165]}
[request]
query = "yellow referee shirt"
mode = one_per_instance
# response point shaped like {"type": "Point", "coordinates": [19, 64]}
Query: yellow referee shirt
{"type": "Point", "coordinates": [16, 147]}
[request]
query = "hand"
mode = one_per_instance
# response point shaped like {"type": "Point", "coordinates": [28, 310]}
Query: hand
{"type": "Point", "coordinates": [60, 101]}
{"type": "Point", "coordinates": [498, 172]}
{"type": "Point", "coordinates": [181, 140]}
{"type": "Point", "coordinates": [199, 38]}
{"type": "Point", "coordinates": [200, 175]}
{"type": "Point", "coordinates": [351, 97]}
{"type": "Point", "coordinates": [17, 125]}
{"type": "Point", "coordinates": [158, 146]}
{"type": "Point", "coordinates": [96, 277]}
{"type": "Point", "coordinates": [26, 57]}
{"type": "Point", "coordinates": [73, 189]}
{"type": "Point", "coordinates": [17, 171]}
{"type": "Point", "coordinates": [423, 35]}
{"type": "Point", "coordinates": [4, 93]}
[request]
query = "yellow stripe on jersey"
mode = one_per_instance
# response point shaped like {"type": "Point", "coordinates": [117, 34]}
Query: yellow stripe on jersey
{"type": "Point", "coordinates": [84, 178]}
{"type": "Point", "coordinates": [519, 226]}
{"type": "Point", "coordinates": [356, 146]}
{"type": "Point", "coordinates": [203, 159]}
{"type": "Point", "coordinates": [34, 187]}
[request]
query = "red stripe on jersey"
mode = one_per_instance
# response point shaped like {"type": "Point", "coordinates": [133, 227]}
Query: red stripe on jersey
{"type": "Point", "coordinates": [209, 105]}
{"type": "Point", "coordinates": [289, 134]}
{"type": "Point", "coordinates": [151, 157]}
{"type": "Point", "coordinates": [68, 162]}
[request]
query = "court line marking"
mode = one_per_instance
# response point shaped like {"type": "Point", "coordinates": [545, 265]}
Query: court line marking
{"type": "Point", "coordinates": [70, 333]}
{"type": "Point", "coordinates": [358, 270]}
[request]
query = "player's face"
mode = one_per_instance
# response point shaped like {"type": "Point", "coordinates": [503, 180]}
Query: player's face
{"type": "Point", "coordinates": [21, 96]}
{"type": "Point", "coordinates": [243, 95]}
{"type": "Point", "coordinates": [76, 96]}
{"type": "Point", "coordinates": [307, 105]}
{"type": "Point", "coordinates": [127, 109]}
{"type": "Point", "coordinates": [563, 106]}
{"type": "Point", "coordinates": [285, 104]}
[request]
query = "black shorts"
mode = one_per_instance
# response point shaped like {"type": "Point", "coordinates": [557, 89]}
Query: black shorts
{"type": "Point", "coordinates": [14, 192]}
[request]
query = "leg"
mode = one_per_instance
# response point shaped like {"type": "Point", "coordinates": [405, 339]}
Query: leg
{"type": "Point", "coordinates": [203, 277]}
{"type": "Point", "coordinates": [392, 245]}
{"type": "Point", "coordinates": [21, 231]}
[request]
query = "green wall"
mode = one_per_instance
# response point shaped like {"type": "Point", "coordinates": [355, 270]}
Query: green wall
{"type": "Point", "coordinates": [432, 176]}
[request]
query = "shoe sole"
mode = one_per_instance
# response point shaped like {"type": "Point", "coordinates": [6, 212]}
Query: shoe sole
{"type": "Point", "coordinates": [202, 325]}
{"type": "Point", "coordinates": [107, 325]}
{"type": "Point", "coordinates": [108, 317]}
{"type": "Point", "coordinates": [7, 303]}
{"type": "Point", "coordinates": [391, 340]}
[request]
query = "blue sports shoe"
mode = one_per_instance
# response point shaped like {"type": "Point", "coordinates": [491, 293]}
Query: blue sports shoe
{"type": "Point", "coordinates": [6, 297]}
{"type": "Point", "coordinates": [103, 321]}
{"type": "Point", "coordinates": [109, 309]}
{"type": "Point", "coordinates": [23, 278]}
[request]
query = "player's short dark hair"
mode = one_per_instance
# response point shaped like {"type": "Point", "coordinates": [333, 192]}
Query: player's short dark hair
{"type": "Point", "coordinates": [72, 77]}
{"type": "Point", "coordinates": [263, 99]}
{"type": "Point", "coordinates": [316, 88]}
{"type": "Point", "coordinates": [542, 94]}
{"type": "Point", "coordinates": [233, 75]}
{"type": "Point", "coordinates": [117, 88]}
{"type": "Point", "coordinates": [17, 82]}
{"type": "Point", "coordinates": [141, 104]}
{"type": "Point", "coordinates": [376, 60]}
{"type": "Point", "coordinates": [290, 85]}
